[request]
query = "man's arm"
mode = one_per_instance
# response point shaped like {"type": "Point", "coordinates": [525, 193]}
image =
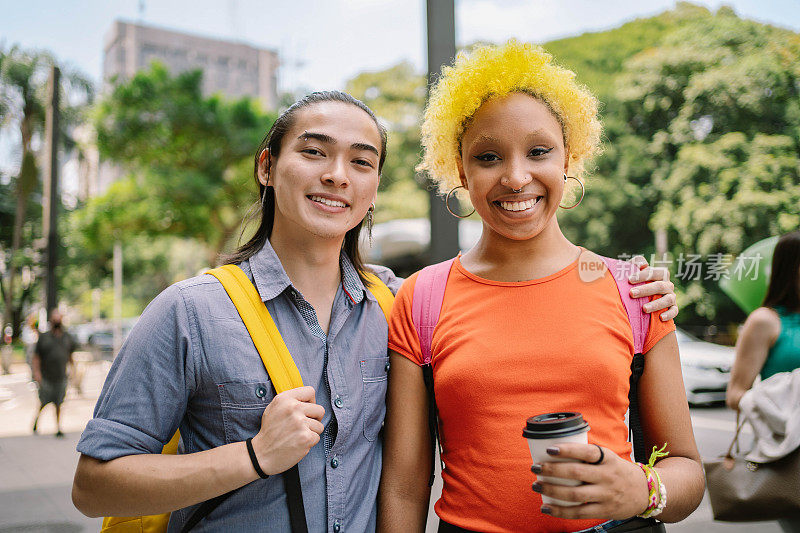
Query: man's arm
{"type": "Point", "coordinates": [148, 484]}
{"type": "Point", "coordinates": [36, 367]}
{"type": "Point", "coordinates": [152, 484]}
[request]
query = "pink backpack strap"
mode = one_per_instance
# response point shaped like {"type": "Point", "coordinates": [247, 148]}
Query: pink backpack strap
{"type": "Point", "coordinates": [640, 324]}
{"type": "Point", "coordinates": [640, 321]}
{"type": "Point", "coordinates": [427, 303]}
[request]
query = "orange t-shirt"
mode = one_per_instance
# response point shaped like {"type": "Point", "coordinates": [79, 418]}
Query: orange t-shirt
{"type": "Point", "coordinates": [505, 351]}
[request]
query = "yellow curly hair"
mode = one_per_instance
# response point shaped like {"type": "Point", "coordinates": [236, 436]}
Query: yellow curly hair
{"type": "Point", "coordinates": [490, 71]}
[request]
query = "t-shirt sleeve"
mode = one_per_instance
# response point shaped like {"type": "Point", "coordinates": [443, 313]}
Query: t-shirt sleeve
{"type": "Point", "coordinates": [146, 392]}
{"type": "Point", "coordinates": [403, 337]}
{"type": "Point", "coordinates": [386, 275]}
{"type": "Point", "coordinates": [658, 329]}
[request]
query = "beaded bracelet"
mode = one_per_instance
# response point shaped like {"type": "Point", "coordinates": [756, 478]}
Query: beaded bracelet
{"type": "Point", "coordinates": [652, 490]}
{"type": "Point", "coordinates": [662, 496]}
{"type": "Point", "coordinates": [656, 491]}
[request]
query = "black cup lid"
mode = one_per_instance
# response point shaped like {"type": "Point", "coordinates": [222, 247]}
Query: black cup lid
{"type": "Point", "coordinates": [551, 425]}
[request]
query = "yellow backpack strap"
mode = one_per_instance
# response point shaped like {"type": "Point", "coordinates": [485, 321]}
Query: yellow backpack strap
{"type": "Point", "coordinates": [382, 293]}
{"type": "Point", "coordinates": [273, 351]}
{"type": "Point", "coordinates": [276, 358]}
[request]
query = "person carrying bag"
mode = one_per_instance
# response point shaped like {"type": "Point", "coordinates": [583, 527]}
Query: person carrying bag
{"type": "Point", "coordinates": [764, 483]}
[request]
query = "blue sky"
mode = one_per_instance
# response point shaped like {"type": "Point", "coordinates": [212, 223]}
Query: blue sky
{"type": "Point", "coordinates": [325, 42]}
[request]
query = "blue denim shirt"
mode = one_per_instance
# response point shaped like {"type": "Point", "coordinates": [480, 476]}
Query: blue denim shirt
{"type": "Point", "coordinates": [189, 364]}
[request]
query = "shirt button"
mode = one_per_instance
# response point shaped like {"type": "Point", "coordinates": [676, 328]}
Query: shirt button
{"type": "Point", "coordinates": [338, 402]}
{"type": "Point", "coordinates": [261, 391]}
{"type": "Point", "coordinates": [386, 366]}
{"type": "Point", "coordinates": [337, 526]}
{"type": "Point", "coordinates": [334, 462]}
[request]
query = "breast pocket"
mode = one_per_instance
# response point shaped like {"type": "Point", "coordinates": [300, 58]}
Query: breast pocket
{"type": "Point", "coordinates": [374, 373]}
{"type": "Point", "coordinates": [242, 405]}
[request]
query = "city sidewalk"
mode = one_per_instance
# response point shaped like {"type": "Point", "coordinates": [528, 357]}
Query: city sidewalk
{"type": "Point", "coordinates": [36, 470]}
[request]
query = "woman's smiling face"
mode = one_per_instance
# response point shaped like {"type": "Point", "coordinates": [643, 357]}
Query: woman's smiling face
{"type": "Point", "coordinates": [514, 142]}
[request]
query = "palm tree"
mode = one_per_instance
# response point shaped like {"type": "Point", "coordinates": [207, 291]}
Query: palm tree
{"type": "Point", "coordinates": [23, 85]}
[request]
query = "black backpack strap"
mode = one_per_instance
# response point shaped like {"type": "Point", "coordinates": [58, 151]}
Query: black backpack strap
{"type": "Point", "coordinates": [294, 499]}
{"type": "Point", "coordinates": [205, 509]}
{"type": "Point", "coordinates": [634, 417]}
{"type": "Point", "coordinates": [433, 419]}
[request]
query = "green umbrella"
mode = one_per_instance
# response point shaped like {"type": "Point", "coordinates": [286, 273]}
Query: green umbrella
{"type": "Point", "coordinates": [749, 275]}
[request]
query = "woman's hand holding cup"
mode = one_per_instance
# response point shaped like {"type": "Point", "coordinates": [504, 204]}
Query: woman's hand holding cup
{"type": "Point", "coordinates": [611, 489]}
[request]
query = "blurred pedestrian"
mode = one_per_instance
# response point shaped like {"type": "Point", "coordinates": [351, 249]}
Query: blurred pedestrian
{"type": "Point", "coordinates": [30, 336]}
{"type": "Point", "coordinates": [51, 356]}
{"type": "Point", "coordinates": [769, 342]}
{"type": "Point", "coordinates": [6, 349]}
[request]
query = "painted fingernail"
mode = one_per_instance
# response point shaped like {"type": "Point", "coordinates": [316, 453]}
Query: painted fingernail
{"type": "Point", "coordinates": [546, 510]}
{"type": "Point", "coordinates": [537, 488]}
{"type": "Point", "coordinates": [553, 450]}
{"type": "Point", "coordinates": [536, 469]}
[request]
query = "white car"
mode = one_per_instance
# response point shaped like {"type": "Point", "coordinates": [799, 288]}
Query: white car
{"type": "Point", "coordinates": [706, 369]}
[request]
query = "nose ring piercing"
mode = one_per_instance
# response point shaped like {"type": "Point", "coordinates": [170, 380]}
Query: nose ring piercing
{"type": "Point", "coordinates": [517, 191]}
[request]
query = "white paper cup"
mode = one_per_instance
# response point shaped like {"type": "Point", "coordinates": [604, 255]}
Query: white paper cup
{"type": "Point", "coordinates": [550, 429]}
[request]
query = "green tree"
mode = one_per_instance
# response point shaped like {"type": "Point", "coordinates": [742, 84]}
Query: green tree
{"type": "Point", "coordinates": [718, 108]}
{"type": "Point", "coordinates": [187, 158]}
{"type": "Point", "coordinates": [397, 96]}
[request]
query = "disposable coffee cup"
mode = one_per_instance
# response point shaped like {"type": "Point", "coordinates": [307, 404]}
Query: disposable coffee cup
{"type": "Point", "coordinates": [549, 429]}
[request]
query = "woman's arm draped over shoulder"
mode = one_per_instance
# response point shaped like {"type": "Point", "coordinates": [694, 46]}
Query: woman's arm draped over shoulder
{"type": "Point", "coordinates": [759, 333]}
{"type": "Point", "coordinates": [404, 492]}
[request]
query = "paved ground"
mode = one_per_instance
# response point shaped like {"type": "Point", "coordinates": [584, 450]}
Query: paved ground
{"type": "Point", "coordinates": [36, 470]}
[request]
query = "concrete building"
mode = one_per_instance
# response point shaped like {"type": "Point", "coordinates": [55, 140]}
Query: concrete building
{"type": "Point", "coordinates": [231, 68]}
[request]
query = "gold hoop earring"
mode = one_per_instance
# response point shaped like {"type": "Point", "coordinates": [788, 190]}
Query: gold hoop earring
{"type": "Point", "coordinates": [447, 203]}
{"type": "Point", "coordinates": [583, 192]}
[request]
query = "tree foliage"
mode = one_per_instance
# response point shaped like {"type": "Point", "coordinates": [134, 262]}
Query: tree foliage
{"type": "Point", "coordinates": [717, 108]}
{"type": "Point", "coordinates": [397, 96]}
{"type": "Point", "coordinates": [187, 161]}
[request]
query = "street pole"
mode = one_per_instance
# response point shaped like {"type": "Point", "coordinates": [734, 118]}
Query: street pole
{"type": "Point", "coordinates": [441, 51]}
{"type": "Point", "coordinates": [50, 198]}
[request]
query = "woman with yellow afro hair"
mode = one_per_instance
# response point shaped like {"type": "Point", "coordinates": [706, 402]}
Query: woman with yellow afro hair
{"type": "Point", "coordinates": [527, 323]}
{"type": "Point", "coordinates": [491, 72]}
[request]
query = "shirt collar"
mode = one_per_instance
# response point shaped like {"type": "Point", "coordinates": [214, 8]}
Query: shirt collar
{"type": "Point", "coordinates": [351, 282]}
{"type": "Point", "coordinates": [268, 274]}
{"type": "Point", "coordinates": [271, 279]}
